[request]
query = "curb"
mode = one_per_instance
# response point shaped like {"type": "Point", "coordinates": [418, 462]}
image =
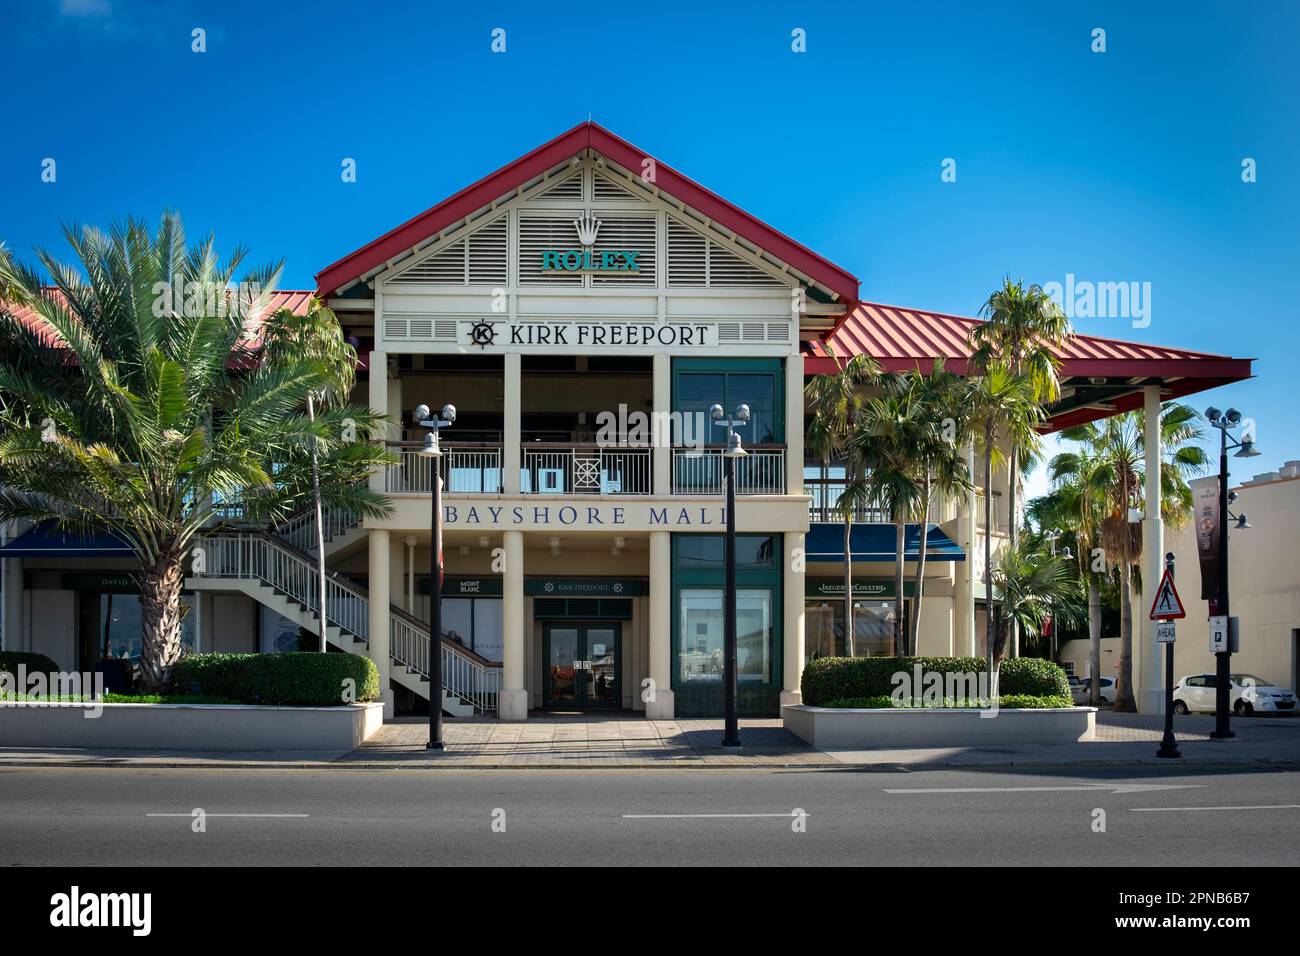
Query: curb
{"type": "Point", "coordinates": [696, 764]}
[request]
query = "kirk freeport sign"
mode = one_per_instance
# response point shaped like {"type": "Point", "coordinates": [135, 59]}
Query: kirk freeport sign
{"type": "Point", "coordinates": [565, 336]}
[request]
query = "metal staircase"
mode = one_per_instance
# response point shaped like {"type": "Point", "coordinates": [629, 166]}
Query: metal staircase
{"type": "Point", "coordinates": [285, 579]}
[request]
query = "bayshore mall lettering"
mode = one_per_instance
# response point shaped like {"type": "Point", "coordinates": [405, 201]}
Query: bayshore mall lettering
{"type": "Point", "coordinates": [589, 334]}
{"type": "Point", "coordinates": [549, 516]}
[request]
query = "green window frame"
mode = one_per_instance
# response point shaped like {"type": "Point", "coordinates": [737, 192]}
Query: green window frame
{"type": "Point", "coordinates": [729, 390]}
{"type": "Point", "coordinates": [752, 577]}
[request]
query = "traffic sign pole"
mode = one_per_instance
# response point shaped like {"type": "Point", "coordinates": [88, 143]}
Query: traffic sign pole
{"type": "Point", "coordinates": [1166, 633]}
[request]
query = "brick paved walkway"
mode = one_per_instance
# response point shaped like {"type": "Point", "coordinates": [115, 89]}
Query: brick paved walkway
{"type": "Point", "coordinates": [588, 740]}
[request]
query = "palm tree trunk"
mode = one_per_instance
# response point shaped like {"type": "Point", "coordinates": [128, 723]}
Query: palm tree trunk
{"type": "Point", "coordinates": [988, 558]}
{"type": "Point", "coordinates": [900, 533]}
{"type": "Point", "coordinates": [848, 581]}
{"type": "Point", "coordinates": [920, 567]}
{"type": "Point", "coordinates": [1013, 475]}
{"type": "Point", "coordinates": [1094, 639]}
{"type": "Point", "coordinates": [160, 620]}
{"type": "Point", "coordinates": [1124, 671]}
{"type": "Point", "coordinates": [320, 523]}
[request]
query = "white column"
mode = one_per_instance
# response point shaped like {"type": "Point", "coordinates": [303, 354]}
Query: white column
{"type": "Point", "coordinates": [661, 626]}
{"type": "Point", "coordinates": [511, 432]}
{"type": "Point", "coordinates": [514, 693]}
{"type": "Point", "coordinates": [1148, 678]}
{"type": "Point", "coordinates": [792, 620]}
{"type": "Point", "coordinates": [410, 574]}
{"type": "Point", "coordinates": [379, 615]}
{"type": "Point", "coordinates": [379, 402]}
{"type": "Point", "coordinates": [662, 454]}
{"type": "Point", "coordinates": [794, 404]}
{"type": "Point", "coordinates": [964, 576]}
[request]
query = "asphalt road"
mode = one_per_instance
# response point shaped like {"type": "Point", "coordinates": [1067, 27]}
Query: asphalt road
{"type": "Point", "coordinates": [89, 817]}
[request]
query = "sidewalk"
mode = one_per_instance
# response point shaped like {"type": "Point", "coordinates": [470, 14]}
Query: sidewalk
{"type": "Point", "coordinates": [622, 741]}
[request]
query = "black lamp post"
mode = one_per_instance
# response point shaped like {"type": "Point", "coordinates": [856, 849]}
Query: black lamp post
{"type": "Point", "coordinates": [733, 451]}
{"type": "Point", "coordinates": [1224, 422]}
{"type": "Point", "coordinates": [432, 452]}
{"type": "Point", "coordinates": [1168, 744]}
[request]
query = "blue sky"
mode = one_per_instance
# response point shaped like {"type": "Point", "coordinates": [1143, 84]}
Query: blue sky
{"type": "Point", "coordinates": [1122, 166]}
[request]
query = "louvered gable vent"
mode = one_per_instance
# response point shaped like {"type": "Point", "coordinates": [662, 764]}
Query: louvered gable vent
{"type": "Point", "coordinates": [478, 259]}
{"type": "Point", "coordinates": [698, 262]}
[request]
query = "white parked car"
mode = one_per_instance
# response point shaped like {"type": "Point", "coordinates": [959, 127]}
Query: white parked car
{"type": "Point", "coordinates": [1081, 687]}
{"type": "Point", "coordinates": [1248, 695]}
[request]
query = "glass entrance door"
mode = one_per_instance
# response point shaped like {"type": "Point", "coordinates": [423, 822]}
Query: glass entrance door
{"type": "Point", "coordinates": [581, 666]}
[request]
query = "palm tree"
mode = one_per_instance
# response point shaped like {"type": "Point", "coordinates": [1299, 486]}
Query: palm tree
{"type": "Point", "coordinates": [1111, 470]}
{"type": "Point", "coordinates": [835, 402]}
{"type": "Point", "coordinates": [1037, 587]}
{"type": "Point", "coordinates": [152, 419]}
{"type": "Point", "coordinates": [892, 427]}
{"type": "Point", "coordinates": [1002, 410]}
{"type": "Point", "coordinates": [315, 336]}
{"type": "Point", "coordinates": [939, 458]}
{"type": "Point", "coordinates": [1023, 329]}
{"type": "Point", "coordinates": [1071, 509]}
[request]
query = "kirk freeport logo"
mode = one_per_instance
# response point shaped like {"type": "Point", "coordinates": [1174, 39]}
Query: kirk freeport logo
{"type": "Point", "coordinates": [483, 333]}
{"type": "Point", "coordinates": [588, 259]}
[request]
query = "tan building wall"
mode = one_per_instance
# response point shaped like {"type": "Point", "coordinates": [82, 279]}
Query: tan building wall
{"type": "Point", "coordinates": [1264, 582]}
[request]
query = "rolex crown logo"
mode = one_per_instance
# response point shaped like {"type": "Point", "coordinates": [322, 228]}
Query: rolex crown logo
{"type": "Point", "coordinates": [588, 227]}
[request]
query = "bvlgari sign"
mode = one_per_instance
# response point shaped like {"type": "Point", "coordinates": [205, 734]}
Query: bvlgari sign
{"type": "Point", "coordinates": [587, 259]}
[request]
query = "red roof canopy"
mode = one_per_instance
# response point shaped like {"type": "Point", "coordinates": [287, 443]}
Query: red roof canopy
{"type": "Point", "coordinates": [1106, 374]}
{"type": "Point", "coordinates": [583, 136]}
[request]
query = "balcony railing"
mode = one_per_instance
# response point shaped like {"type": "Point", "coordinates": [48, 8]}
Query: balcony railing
{"type": "Point", "coordinates": [469, 468]}
{"type": "Point", "coordinates": [826, 492]}
{"type": "Point", "coordinates": [568, 468]}
{"type": "Point", "coordinates": [699, 471]}
{"type": "Point", "coordinates": [563, 469]}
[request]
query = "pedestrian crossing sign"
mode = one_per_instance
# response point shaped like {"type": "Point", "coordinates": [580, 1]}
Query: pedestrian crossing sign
{"type": "Point", "coordinates": [1167, 604]}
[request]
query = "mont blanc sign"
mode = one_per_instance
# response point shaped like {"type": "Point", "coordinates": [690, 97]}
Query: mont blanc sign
{"type": "Point", "coordinates": [566, 335]}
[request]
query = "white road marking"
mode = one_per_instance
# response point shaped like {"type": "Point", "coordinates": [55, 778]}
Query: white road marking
{"type": "Point", "coordinates": [709, 816]}
{"type": "Point", "coordinates": [1092, 787]}
{"type": "Point", "coordinates": [271, 815]}
{"type": "Point", "coordinates": [1275, 806]}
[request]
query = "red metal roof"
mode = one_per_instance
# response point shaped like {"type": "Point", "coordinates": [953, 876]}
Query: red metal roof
{"type": "Point", "coordinates": [900, 338]}
{"type": "Point", "coordinates": [583, 136]}
{"type": "Point", "coordinates": [297, 300]}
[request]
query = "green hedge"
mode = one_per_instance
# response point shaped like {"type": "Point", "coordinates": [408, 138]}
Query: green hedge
{"type": "Point", "coordinates": [298, 679]}
{"type": "Point", "coordinates": [36, 663]}
{"type": "Point", "coordinates": [1034, 677]}
{"type": "Point", "coordinates": [1011, 702]}
{"type": "Point", "coordinates": [831, 678]}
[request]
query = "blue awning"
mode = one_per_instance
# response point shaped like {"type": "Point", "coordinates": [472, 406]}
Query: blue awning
{"type": "Point", "coordinates": [44, 541]}
{"type": "Point", "coordinates": [875, 542]}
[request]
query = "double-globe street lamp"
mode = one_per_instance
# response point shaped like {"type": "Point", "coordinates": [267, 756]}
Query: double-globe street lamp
{"type": "Point", "coordinates": [432, 452]}
{"type": "Point", "coordinates": [1225, 422]}
{"type": "Point", "coordinates": [732, 451]}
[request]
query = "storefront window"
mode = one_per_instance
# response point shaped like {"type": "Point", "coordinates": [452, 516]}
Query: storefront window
{"type": "Point", "coordinates": [873, 629]}
{"type": "Point", "coordinates": [113, 627]}
{"type": "Point", "coordinates": [707, 552]}
{"type": "Point", "coordinates": [474, 623]}
{"type": "Point", "coordinates": [701, 628]}
{"type": "Point", "coordinates": [700, 383]}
